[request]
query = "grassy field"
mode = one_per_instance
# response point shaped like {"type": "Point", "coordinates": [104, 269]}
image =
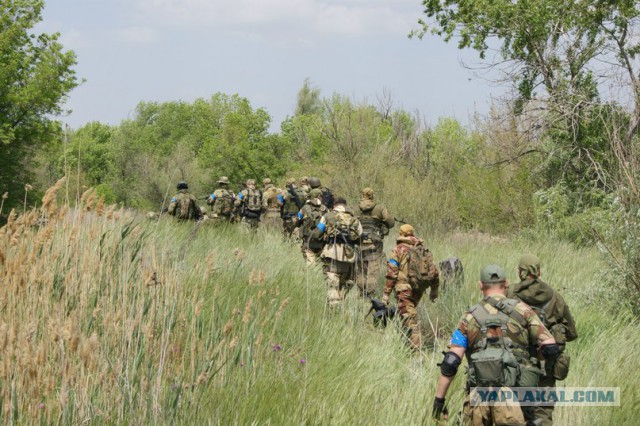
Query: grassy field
{"type": "Point", "coordinates": [107, 316]}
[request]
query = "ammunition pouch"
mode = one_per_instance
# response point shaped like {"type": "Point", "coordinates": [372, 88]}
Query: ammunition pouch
{"type": "Point", "coordinates": [530, 374]}
{"type": "Point", "coordinates": [561, 366]}
{"type": "Point", "coordinates": [495, 367]}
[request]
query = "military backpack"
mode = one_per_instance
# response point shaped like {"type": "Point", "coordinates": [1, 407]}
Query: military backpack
{"type": "Point", "coordinates": [252, 203]}
{"type": "Point", "coordinates": [186, 208]}
{"type": "Point", "coordinates": [223, 203]}
{"type": "Point", "coordinates": [421, 269]}
{"type": "Point", "coordinates": [342, 228]}
{"type": "Point", "coordinates": [372, 231]}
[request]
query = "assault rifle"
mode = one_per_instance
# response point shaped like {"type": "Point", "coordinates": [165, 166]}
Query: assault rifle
{"type": "Point", "coordinates": [381, 312]}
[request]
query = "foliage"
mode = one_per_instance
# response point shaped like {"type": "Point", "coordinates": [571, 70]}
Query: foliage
{"type": "Point", "coordinates": [35, 76]}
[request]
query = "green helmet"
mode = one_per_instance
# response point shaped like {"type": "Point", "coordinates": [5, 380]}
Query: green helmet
{"type": "Point", "coordinates": [182, 185]}
{"type": "Point", "coordinates": [315, 193]}
{"type": "Point", "coordinates": [529, 264]}
{"type": "Point", "coordinates": [314, 182]}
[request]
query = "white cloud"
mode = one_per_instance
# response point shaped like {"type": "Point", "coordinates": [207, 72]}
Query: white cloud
{"type": "Point", "coordinates": [141, 35]}
{"type": "Point", "coordinates": [355, 17]}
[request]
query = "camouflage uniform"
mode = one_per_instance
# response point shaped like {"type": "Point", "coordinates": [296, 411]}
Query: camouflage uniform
{"type": "Point", "coordinates": [338, 253]}
{"type": "Point", "coordinates": [312, 209]}
{"type": "Point", "coordinates": [525, 335]}
{"type": "Point", "coordinates": [398, 281]}
{"type": "Point", "coordinates": [272, 200]}
{"type": "Point", "coordinates": [376, 222]}
{"type": "Point", "coordinates": [555, 314]}
{"type": "Point", "coordinates": [304, 186]}
{"type": "Point", "coordinates": [222, 202]}
{"type": "Point", "coordinates": [294, 200]}
{"type": "Point", "coordinates": [249, 202]}
{"type": "Point", "coordinates": [194, 212]}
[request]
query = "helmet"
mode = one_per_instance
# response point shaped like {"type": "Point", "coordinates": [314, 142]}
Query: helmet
{"type": "Point", "coordinates": [315, 193]}
{"type": "Point", "coordinates": [223, 179]}
{"type": "Point", "coordinates": [182, 185]}
{"type": "Point", "coordinates": [314, 182]}
{"type": "Point", "coordinates": [529, 264]}
{"type": "Point", "coordinates": [367, 193]}
{"type": "Point", "coordinates": [406, 230]}
{"type": "Point", "coordinates": [266, 181]}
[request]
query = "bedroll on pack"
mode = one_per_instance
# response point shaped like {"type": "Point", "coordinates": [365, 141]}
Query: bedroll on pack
{"type": "Point", "coordinates": [343, 229]}
{"type": "Point", "coordinates": [422, 271]}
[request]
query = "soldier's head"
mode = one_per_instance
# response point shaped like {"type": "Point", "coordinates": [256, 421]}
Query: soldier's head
{"type": "Point", "coordinates": [367, 194]}
{"type": "Point", "coordinates": [304, 180]}
{"type": "Point", "coordinates": [315, 194]}
{"type": "Point", "coordinates": [339, 201]}
{"type": "Point", "coordinates": [406, 230]}
{"type": "Point", "coordinates": [250, 184]}
{"type": "Point", "coordinates": [529, 266]}
{"type": "Point", "coordinates": [493, 280]}
{"type": "Point", "coordinates": [223, 181]}
{"type": "Point", "coordinates": [314, 182]}
{"type": "Point", "coordinates": [182, 185]}
{"type": "Point", "coordinates": [291, 182]}
{"type": "Point", "coordinates": [266, 182]}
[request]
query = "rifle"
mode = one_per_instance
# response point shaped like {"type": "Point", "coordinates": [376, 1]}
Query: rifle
{"type": "Point", "coordinates": [381, 312]}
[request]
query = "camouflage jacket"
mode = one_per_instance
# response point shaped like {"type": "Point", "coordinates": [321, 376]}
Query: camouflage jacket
{"type": "Point", "coordinates": [292, 197]}
{"type": "Point", "coordinates": [549, 306]}
{"type": "Point", "coordinates": [526, 330]}
{"type": "Point", "coordinates": [311, 212]}
{"type": "Point", "coordinates": [397, 264]}
{"type": "Point", "coordinates": [272, 197]}
{"type": "Point", "coordinates": [376, 222]}
{"type": "Point", "coordinates": [335, 245]}
{"type": "Point", "coordinates": [222, 202]}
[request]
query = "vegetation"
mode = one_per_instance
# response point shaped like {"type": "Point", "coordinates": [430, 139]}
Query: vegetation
{"type": "Point", "coordinates": [111, 317]}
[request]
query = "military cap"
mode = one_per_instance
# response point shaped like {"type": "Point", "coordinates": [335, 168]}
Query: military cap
{"type": "Point", "coordinates": [530, 263]}
{"type": "Point", "coordinates": [492, 274]}
{"type": "Point", "coordinates": [406, 230]}
{"type": "Point", "coordinates": [223, 179]}
{"type": "Point", "coordinates": [266, 181]}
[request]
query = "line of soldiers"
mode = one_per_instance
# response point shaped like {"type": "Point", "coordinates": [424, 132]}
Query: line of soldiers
{"type": "Point", "coordinates": [519, 331]}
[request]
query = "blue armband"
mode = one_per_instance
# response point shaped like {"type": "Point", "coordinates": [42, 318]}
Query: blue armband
{"type": "Point", "coordinates": [281, 198]}
{"type": "Point", "coordinates": [300, 215]}
{"type": "Point", "coordinates": [213, 197]}
{"type": "Point", "coordinates": [459, 339]}
{"type": "Point", "coordinates": [241, 195]}
{"type": "Point", "coordinates": [322, 227]}
{"type": "Point", "coordinates": [394, 263]}
{"type": "Point", "coordinates": [174, 200]}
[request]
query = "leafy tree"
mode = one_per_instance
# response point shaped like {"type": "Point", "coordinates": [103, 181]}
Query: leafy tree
{"type": "Point", "coordinates": [36, 74]}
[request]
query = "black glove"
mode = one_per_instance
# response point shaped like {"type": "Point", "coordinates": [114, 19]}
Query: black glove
{"type": "Point", "coordinates": [439, 408]}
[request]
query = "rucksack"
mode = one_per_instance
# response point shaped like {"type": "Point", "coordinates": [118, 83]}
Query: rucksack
{"type": "Point", "coordinates": [371, 230]}
{"type": "Point", "coordinates": [422, 271]}
{"type": "Point", "coordinates": [327, 198]}
{"type": "Point", "coordinates": [253, 200]}
{"type": "Point", "coordinates": [185, 208]}
{"type": "Point", "coordinates": [310, 223]}
{"type": "Point", "coordinates": [492, 362]}
{"type": "Point", "coordinates": [343, 229]}
{"type": "Point", "coordinates": [223, 204]}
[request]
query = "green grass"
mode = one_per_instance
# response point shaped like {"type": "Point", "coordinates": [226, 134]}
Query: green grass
{"type": "Point", "coordinates": [233, 330]}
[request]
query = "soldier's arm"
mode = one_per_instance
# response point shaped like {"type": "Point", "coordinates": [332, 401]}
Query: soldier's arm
{"type": "Point", "coordinates": [172, 206]}
{"type": "Point", "coordinates": [211, 199]}
{"type": "Point", "coordinates": [387, 219]}
{"type": "Point", "coordinates": [238, 201]}
{"type": "Point", "coordinates": [538, 333]}
{"type": "Point", "coordinates": [569, 323]}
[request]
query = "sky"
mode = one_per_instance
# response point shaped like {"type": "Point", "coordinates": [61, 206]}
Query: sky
{"type": "Point", "coordinates": [131, 51]}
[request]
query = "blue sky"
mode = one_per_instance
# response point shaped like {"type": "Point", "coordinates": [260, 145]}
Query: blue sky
{"type": "Point", "coordinates": [163, 50]}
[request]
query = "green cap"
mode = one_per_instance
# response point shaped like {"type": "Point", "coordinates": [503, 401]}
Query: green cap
{"type": "Point", "coordinates": [492, 274]}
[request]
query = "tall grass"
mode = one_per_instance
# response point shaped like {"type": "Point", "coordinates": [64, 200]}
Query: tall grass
{"type": "Point", "coordinates": [110, 317]}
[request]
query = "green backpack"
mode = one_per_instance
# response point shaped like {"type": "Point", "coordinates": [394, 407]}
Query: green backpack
{"type": "Point", "coordinates": [422, 271]}
{"type": "Point", "coordinates": [492, 362]}
{"type": "Point", "coordinates": [343, 228]}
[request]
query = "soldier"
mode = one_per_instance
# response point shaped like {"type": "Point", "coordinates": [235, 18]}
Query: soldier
{"type": "Point", "coordinates": [249, 202]}
{"type": "Point", "coordinates": [304, 185]}
{"type": "Point", "coordinates": [554, 313]}
{"type": "Point", "coordinates": [294, 200]}
{"type": "Point", "coordinates": [496, 334]}
{"type": "Point", "coordinates": [183, 205]}
{"type": "Point", "coordinates": [308, 219]}
{"type": "Point", "coordinates": [327, 195]}
{"type": "Point", "coordinates": [272, 201]}
{"type": "Point", "coordinates": [222, 202]}
{"type": "Point", "coordinates": [341, 231]}
{"type": "Point", "coordinates": [376, 222]}
{"type": "Point", "coordinates": [408, 254]}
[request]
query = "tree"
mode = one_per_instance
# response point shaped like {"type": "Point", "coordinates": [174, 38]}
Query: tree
{"type": "Point", "coordinates": [36, 74]}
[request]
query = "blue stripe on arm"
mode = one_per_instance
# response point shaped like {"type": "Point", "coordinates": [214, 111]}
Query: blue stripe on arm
{"type": "Point", "coordinates": [241, 195]}
{"type": "Point", "coordinates": [281, 198]}
{"type": "Point", "coordinates": [300, 215]}
{"type": "Point", "coordinates": [459, 339]}
{"type": "Point", "coordinates": [213, 197]}
{"type": "Point", "coordinates": [322, 227]}
{"type": "Point", "coordinates": [394, 263]}
{"type": "Point", "coordinates": [173, 200]}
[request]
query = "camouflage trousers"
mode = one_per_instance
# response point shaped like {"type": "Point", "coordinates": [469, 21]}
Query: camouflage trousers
{"type": "Point", "coordinates": [217, 219]}
{"type": "Point", "coordinates": [250, 223]}
{"type": "Point", "coordinates": [407, 303]}
{"type": "Point", "coordinates": [544, 415]}
{"type": "Point", "coordinates": [288, 227]}
{"type": "Point", "coordinates": [339, 277]}
{"type": "Point", "coordinates": [312, 256]}
{"type": "Point", "coordinates": [487, 416]}
{"type": "Point", "coordinates": [367, 272]}
{"type": "Point", "coordinates": [271, 220]}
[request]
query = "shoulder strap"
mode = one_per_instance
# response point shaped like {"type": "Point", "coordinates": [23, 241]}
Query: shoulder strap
{"type": "Point", "coordinates": [507, 306]}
